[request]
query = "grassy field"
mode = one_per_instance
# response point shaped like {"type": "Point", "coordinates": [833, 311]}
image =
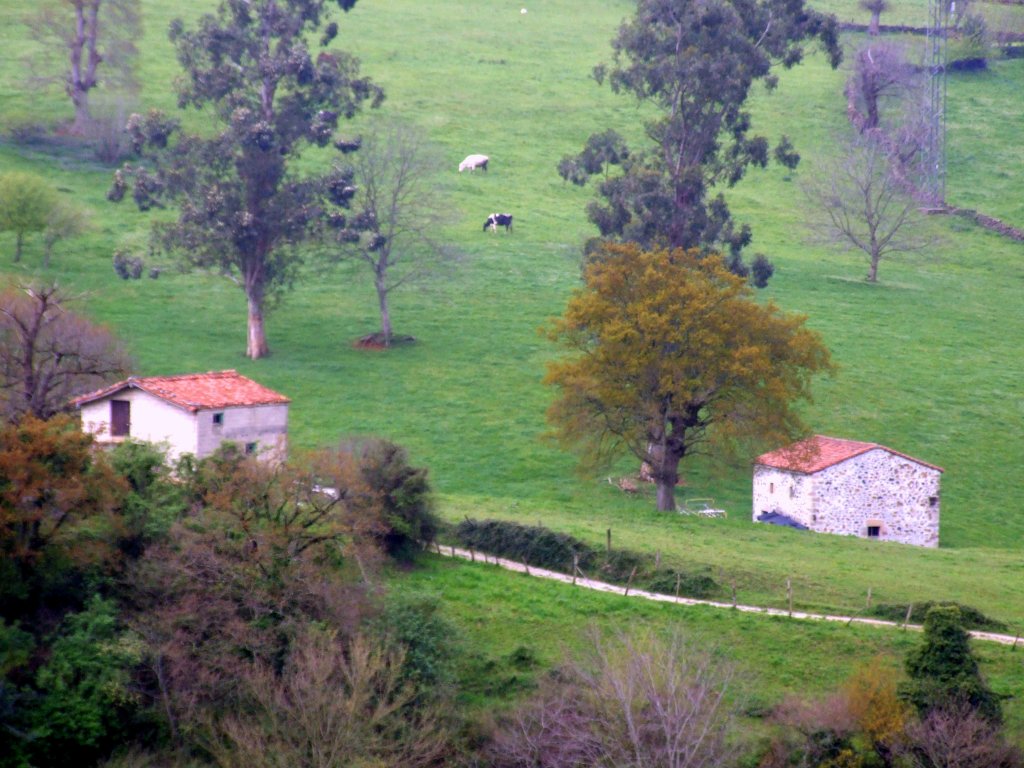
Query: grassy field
{"type": "Point", "coordinates": [499, 613]}
{"type": "Point", "coordinates": [930, 360]}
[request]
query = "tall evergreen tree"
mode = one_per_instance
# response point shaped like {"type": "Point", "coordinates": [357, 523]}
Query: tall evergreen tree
{"type": "Point", "coordinates": [943, 671]}
{"type": "Point", "coordinates": [695, 63]}
{"type": "Point", "coordinates": [244, 210]}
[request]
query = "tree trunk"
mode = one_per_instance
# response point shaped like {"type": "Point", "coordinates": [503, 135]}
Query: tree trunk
{"type": "Point", "coordinates": [875, 22]}
{"type": "Point", "coordinates": [666, 496]}
{"type": "Point", "coordinates": [385, 313]}
{"type": "Point", "coordinates": [83, 117]}
{"type": "Point", "coordinates": [256, 346]}
{"type": "Point", "coordinates": [873, 270]}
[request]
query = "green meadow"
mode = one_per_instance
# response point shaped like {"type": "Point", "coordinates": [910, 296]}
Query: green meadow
{"type": "Point", "coordinates": [929, 360]}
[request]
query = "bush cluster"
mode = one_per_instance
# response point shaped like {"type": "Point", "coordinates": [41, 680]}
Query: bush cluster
{"type": "Point", "coordinates": [543, 548]}
{"type": "Point", "coordinates": [972, 618]}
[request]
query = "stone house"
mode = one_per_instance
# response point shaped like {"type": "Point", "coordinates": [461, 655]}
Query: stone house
{"type": "Point", "coordinates": [192, 413]}
{"type": "Point", "coordinates": [830, 485]}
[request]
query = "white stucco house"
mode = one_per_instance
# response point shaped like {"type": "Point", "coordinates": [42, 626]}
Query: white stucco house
{"type": "Point", "coordinates": [831, 485]}
{"type": "Point", "coordinates": [192, 413]}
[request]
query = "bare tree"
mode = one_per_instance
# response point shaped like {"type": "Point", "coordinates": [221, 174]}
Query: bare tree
{"type": "Point", "coordinates": [859, 202]}
{"type": "Point", "coordinates": [48, 354]}
{"type": "Point", "coordinates": [631, 702]}
{"type": "Point", "coordinates": [396, 213]}
{"type": "Point", "coordinates": [880, 71]}
{"type": "Point", "coordinates": [82, 44]}
{"type": "Point", "coordinates": [331, 705]}
{"type": "Point", "coordinates": [876, 8]}
{"type": "Point", "coordinates": [959, 737]}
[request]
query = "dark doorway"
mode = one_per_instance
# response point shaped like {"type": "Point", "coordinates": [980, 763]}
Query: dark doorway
{"type": "Point", "coordinates": [120, 418]}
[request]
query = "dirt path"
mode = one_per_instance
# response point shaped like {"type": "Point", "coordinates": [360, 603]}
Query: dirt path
{"type": "Point", "coordinates": [601, 586]}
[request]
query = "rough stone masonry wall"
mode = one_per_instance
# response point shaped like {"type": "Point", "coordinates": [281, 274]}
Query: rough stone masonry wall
{"type": "Point", "coordinates": [777, 490]}
{"type": "Point", "coordinates": [879, 488]}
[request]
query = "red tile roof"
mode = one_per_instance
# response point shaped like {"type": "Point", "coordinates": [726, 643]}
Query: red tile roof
{"type": "Point", "coordinates": [820, 452]}
{"type": "Point", "coordinates": [196, 391]}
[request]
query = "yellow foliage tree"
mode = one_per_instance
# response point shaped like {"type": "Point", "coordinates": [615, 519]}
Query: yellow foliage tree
{"type": "Point", "coordinates": [671, 356]}
{"type": "Point", "coordinates": [875, 706]}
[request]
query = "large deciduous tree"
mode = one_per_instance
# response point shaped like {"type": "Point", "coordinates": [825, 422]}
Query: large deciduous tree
{"type": "Point", "coordinates": [695, 63]}
{"type": "Point", "coordinates": [48, 354]}
{"type": "Point", "coordinates": [244, 210]}
{"type": "Point", "coordinates": [396, 213]}
{"type": "Point", "coordinates": [83, 44]}
{"type": "Point", "coordinates": [671, 356]}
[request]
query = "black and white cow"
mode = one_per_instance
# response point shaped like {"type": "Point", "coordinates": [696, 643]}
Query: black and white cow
{"type": "Point", "coordinates": [496, 220]}
{"type": "Point", "coordinates": [472, 162]}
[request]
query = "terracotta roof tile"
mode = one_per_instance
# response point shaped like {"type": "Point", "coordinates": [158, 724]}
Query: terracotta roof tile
{"type": "Point", "coordinates": [196, 391]}
{"type": "Point", "coordinates": [820, 452]}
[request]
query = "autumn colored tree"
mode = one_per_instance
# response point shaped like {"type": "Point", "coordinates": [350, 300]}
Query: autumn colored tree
{"type": "Point", "coordinates": [670, 356]}
{"type": "Point", "coordinates": [58, 502]}
{"type": "Point", "coordinates": [244, 209]}
{"type": "Point", "coordinates": [880, 714]}
{"type": "Point", "coordinates": [48, 353]}
{"type": "Point", "coordinates": [694, 63]}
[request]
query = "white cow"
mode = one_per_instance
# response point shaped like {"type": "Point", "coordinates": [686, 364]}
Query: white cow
{"type": "Point", "coordinates": [472, 162]}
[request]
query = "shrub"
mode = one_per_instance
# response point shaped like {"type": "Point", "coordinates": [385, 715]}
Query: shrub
{"type": "Point", "coordinates": [543, 548]}
{"type": "Point", "coordinates": [84, 687]}
{"type": "Point", "coordinates": [413, 625]}
{"type": "Point", "coordinates": [404, 493]}
{"type": "Point", "coordinates": [972, 618]}
{"type": "Point", "coordinates": [943, 670]}
{"type": "Point", "coordinates": [536, 545]}
{"type": "Point", "coordinates": [697, 585]}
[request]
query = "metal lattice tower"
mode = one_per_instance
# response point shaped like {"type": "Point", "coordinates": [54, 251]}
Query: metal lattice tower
{"type": "Point", "coordinates": [933, 182]}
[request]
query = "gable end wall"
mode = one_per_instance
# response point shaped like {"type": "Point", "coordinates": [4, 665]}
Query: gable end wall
{"type": "Point", "coordinates": [883, 487]}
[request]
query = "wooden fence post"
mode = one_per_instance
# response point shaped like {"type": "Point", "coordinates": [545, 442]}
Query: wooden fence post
{"type": "Point", "coordinates": [629, 581]}
{"type": "Point", "coordinates": [868, 607]}
{"type": "Point", "coordinates": [679, 578]}
{"type": "Point", "coordinates": [657, 559]}
{"type": "Point", "coordinates": [609, 541]}
{"type": "Point", "coordinates": [734, 593]}
{"type": "Point", "coordinates": [910, 610]}
{"type": "Point", "coordinates": [575, 566]}
{"type": "Point", "coordinates": [789, 596]}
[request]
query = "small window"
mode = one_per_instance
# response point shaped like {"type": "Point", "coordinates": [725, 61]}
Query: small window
{"type": "Point", "coordinates": [250, 448]}
{"type": "Point", "coordinates": [771, 487]}
{"type": "Point", "coordinates": [933, 501]}
{"type": "Point", "coordinates": [874, 531]}
{"type": "Point", "coordinates": [218, 419]}
{"type": "Point", "coordinates": [792, 491]}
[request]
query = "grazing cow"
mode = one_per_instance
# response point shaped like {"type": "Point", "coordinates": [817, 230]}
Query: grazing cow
{"type": "Point", "coordinates": [496, 220]}
{"type": "Point", "coordinates": [472, 162]}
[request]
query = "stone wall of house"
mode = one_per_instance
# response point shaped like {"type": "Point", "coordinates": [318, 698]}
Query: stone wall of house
{"type": "Point", "coordinates": [881, 489]}
{"type": "Point", "coordinates": [777, 490]}
{"type": "Point", "coordinates": [264, 428]}
{"type": "Point", "coordinates": [878, 488]}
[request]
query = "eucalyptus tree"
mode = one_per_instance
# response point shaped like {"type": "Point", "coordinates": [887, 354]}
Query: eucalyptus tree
{"type": "Point", "coordinates": [694, 62]}
{"type": "Point", "coordinates": [244, 210]}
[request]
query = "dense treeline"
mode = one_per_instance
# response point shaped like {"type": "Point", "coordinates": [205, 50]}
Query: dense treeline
{"type": "Point", "coordinates": [189, 608]}
{"type": "Point", "coordinates": [231, 612]}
